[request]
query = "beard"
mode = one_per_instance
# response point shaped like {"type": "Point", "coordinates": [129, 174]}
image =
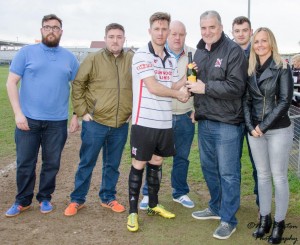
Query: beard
{"type": "Point", "coordinates": [51, 42]}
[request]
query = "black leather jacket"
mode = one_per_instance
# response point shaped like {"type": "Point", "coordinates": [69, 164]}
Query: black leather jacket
{"type": "Point", "coordinates": [223, 69]}
{"type": "Point", "coordinates": [266, 103]}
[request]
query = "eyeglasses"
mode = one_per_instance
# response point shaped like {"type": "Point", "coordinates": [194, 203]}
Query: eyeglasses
{"type": "Point", "coordinates": [53, 28]}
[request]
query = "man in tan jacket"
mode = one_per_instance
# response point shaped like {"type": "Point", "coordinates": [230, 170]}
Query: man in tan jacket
{"type": "Point", "coordinates": [102, 96]}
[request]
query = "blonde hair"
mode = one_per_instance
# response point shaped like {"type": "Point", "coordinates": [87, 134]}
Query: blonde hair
{"type": "Point", "coordinates": [296, 58]}
{"type": "Point", "coordinates": [275, 54]}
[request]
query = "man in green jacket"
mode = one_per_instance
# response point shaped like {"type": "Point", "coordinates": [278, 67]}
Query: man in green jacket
{"type": "Point", "coordinates": [102, 96]}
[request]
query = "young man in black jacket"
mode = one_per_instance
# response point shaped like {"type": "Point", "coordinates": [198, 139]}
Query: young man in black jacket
{"type": "Point", "coordinates": [242, 33]}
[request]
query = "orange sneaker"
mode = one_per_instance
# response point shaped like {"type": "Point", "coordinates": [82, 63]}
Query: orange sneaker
{"type": "Point", "coordinates": [114, 206]}
{"type": "Point", "coordinates": [73, 208]}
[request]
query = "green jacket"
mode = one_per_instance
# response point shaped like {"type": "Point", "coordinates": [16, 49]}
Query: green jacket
{"type": "Point", "coordinates": [103, 88]}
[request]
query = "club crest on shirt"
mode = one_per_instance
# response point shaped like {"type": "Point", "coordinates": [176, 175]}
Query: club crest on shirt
{"type": "Point", "coordinates": [170, 63]}
{"type": "Point", "coordinates": [133, 151]}
{"type": "Point", "coordinates": [218, 62]}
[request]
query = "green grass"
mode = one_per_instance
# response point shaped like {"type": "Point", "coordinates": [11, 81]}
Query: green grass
{"type": "Point", "coordinates": [7, 148]}
{"type": "Point", "coordinates": [195, 176]}
{"type": "Point", "coordinates": [247, 184]}
{"type": "Point", "coordinates": [7, 124]}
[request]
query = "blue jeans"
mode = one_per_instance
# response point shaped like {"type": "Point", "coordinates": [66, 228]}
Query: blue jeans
{"type": "Point", "coordinates": [51, 137]}
{"type": "Point", "coordinates": [94, 136]}
{"type": "Point", "coordinates": [184, 131]}
{"type": "Point", "coordinates": [220, 145]}
{"type": "Point", "coordinates": [271, 157]}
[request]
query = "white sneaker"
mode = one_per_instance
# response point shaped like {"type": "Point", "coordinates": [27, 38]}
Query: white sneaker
{"type": "Point", "coordinates": [144, 203]}
{"type": "Point", "coordinates": [185, 201]}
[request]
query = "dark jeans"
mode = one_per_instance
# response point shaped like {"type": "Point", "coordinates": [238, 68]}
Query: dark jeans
{"type": "Point", "coordinates": [51, 136]}
{"type": "Point", "coordinates": [94, 137]}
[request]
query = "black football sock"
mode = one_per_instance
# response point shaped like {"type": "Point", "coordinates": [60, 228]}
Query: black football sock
{"type": "Point", "coordinates": [134, 183]}
{"type": "Point", "coordinates": [153, 175]}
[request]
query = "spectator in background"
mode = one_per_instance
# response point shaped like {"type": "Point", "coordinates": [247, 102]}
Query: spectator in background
{"type": "Point", "coordinates": [296, 99]}
{"type": "Point", "coordinates": [183, 122]}
{"type": "Point", "coordinates": [296, 77]}
{"type": "Point", "coordinates": [242, 32]}
{"type": "Point", "coordinates": [102, 96]}
{"type": "Point", "coordinates": [266, 103]}
{"type": "Point", "coordinates": [41, 112]}
{"type": "Point", "coordinates": [155, 82]}
{"type": "Point", "coordinates": [222, 75]}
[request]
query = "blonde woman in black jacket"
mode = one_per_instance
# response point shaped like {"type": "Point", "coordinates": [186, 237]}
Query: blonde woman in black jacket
{"type": "Point", "coordinates": [266, 103]}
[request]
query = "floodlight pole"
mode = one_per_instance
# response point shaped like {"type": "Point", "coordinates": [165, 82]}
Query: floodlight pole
{"type": "Point", "coordinates": [249, 9]}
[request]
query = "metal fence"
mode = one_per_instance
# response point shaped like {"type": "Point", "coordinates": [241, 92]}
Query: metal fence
{"type": "Point", "coordinates": [294, 163]}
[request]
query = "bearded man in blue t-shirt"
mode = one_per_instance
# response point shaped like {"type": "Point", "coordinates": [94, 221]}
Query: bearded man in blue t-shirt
{"type": "Point", "coordinates": [41, 112]}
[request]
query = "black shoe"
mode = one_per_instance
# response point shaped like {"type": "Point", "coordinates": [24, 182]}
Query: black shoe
{"type": "Point", "coordinates": [278, 229]}
{"type": "Point", "coordinates": [265, 224]}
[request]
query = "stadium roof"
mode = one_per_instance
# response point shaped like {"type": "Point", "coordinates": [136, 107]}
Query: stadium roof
{"type": "Point", "coordinates": [12, 43]}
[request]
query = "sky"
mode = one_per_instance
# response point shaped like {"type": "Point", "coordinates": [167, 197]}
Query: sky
{"type": "Point", "coordinates": [85, 20]}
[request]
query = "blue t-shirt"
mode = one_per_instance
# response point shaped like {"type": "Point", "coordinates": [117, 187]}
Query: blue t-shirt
{"type": "Point", "coordinates": [45, 75]}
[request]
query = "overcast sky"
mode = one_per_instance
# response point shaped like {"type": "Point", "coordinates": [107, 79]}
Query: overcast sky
{"type": "Point", "coordinates": [85, 20]}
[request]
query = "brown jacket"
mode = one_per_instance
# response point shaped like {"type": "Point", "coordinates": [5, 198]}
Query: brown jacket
{"type": "Point", "coordinates": [103, 88]}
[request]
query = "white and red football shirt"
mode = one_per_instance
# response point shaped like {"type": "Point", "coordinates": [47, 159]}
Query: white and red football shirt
{"type": "Point", "coordinates": [150, 110]}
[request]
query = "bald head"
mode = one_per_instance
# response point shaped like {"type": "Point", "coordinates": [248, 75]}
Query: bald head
{"type": "Point", "coordinates": [176, 38]}
{"type": "Point", "coordinates": [177, 24]}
